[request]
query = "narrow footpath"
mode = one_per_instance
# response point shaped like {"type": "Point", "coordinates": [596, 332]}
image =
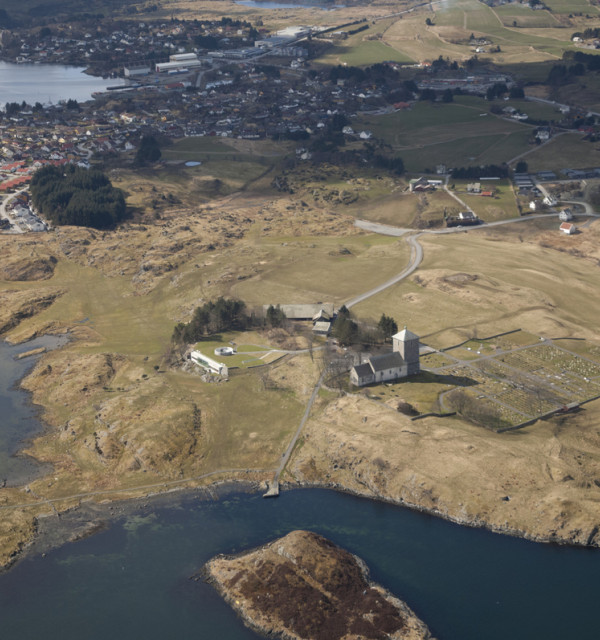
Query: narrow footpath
{"type": "Point", "coordinates": [273, 486]}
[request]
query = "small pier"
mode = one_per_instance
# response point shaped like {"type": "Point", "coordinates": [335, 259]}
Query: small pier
{"type": "Point", "coordinates": [272, 489]}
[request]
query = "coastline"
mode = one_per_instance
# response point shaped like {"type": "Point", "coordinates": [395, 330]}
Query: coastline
{"type": "Point", "coordinates": [465, 522]}
{"type": "Point", "coordinates": [53, 530]}
{"type": "Point", "coordinates": [29, 358]}
{"type": "Point", "coordinates": [246, 479]}
{"type": "Point", "coordinates": [427, 562]}
{"type": "Point", "coordinates": [77, 522]}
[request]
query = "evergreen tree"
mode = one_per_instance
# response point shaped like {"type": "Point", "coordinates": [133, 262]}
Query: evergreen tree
{"type": "Point", "coordinates": [344, 328]}
{"type": "Point", "coordinates": [75, 196]}
{"type": "Point", "coordinates": [275, 316]}
{"type": "Point", "coordinates": [388, 327]}
{"type": "Point", "coordinates": [521, 167]}
{"type": "Point", "coordinates": [148, 151]}
{"type": "Point", "coordinates": [212, 318]}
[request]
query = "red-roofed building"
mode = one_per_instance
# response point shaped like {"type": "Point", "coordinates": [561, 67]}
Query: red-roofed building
{"type": "Point", "coordinates": [568, 228]}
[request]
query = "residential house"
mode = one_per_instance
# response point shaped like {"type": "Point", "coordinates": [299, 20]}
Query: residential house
{"type": "Point", "coordinates": [566, 215]}
{"type": "Point", "coordinates": [419, 184]}
{"type": "Point", "coordinates": [568, 228]}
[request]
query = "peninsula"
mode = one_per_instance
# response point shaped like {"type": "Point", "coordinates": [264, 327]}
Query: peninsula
{"type": "Point", "coordinates": [337, 167]}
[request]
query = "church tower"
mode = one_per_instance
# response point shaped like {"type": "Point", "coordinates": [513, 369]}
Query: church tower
{"type": "Point", "coordinates": [406, 344]}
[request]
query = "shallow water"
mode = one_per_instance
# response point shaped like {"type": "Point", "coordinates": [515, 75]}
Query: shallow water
{"type": "Point", "coordinates": [48, 83]}
{"type": "Point", "coordinates": [18, 417]}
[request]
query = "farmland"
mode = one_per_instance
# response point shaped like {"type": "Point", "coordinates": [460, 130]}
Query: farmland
{"type": "Point", "coordinates": [424, 138]}
{"type": "Point", "coordinates": [266, 222]}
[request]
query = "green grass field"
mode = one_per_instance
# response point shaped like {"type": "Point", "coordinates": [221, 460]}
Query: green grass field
{"type": "Point", "coordinates": [525, 17]}
{"type": "Point", "coordinates": [364, 48]}
{"type": "Point", "coordinates": [247, 356]}
{"type": "Point", "coordinates": [572, 6]}
{"type": "Point", "coordinates": [565, 151]}
{"type": "Point", "coordinates": [197, 144]}
{"type": "Point", "coordinates": [362, 54]}
{"type": "Point", "coordinates": [500, 207]}
{"type": "Point", "coordinates": [535, 110]}
{"type": "Point", "coordinates": [423, 137]}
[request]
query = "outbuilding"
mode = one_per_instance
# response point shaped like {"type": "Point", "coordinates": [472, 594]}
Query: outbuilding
{"type": "Point", "coordinates": [568, 228]}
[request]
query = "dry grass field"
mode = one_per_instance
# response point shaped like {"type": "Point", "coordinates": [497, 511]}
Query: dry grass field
{"type": "Point", "coordinates": [452, 25]}
{"type": "Point", "coordinates": [127, 417]}
{"type": "Point", "coordinates": [513, 285]}
{"type": "Point", "coordinates": [565, 151]}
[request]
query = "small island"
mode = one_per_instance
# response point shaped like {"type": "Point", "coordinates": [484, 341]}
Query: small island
{"type": "Point", "coordinates": [302, 586]}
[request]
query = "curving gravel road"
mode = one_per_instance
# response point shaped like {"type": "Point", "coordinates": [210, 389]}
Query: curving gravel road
{"type": "Point", "coordinates": [416, 250]}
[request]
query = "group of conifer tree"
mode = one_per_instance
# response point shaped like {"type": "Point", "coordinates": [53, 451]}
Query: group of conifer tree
{"type": "Point", "coordinates": [71, 195]}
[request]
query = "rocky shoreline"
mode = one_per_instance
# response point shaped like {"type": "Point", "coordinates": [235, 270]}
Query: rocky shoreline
{"type": "Point", "coordinates": [475, 523]}
{"type": "Point", "coordinates": [303, 587]}
{"type": "Point", "coordinates": [539, 484]}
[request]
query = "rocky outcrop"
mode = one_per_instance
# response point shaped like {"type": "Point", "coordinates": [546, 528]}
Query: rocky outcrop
{"type": "Point", "coordinates": [539, 483]}
{"type": "Point", "coordinates": [16, 306]}
{"type": "Point", "coordinates": [302, 586]}
{"type": "Point", "coordinates": [25, 269]}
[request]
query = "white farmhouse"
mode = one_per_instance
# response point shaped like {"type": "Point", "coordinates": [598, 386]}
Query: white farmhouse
{"type": "Point", "coordinates": [566, 215]}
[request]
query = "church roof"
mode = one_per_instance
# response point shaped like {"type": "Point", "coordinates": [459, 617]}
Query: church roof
{"type": "Point", "coordinates": [386, 361]}
{"type": "Point", "coordinates": [405, 335]}
{"type": "Point", "coordinates": [363, 370]}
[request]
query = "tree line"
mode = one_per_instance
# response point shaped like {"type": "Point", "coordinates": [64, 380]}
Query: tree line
{"type": "Point", "coordinates": [71, 195]}
{"type": "Point", "coordinates": [212, 318]}
{"type": "Point", "coordinates": [487, 171]}
{"type": "Point", "coordinates": [226, 314]}
{"type": "Point", "coordinates": [348, 331]}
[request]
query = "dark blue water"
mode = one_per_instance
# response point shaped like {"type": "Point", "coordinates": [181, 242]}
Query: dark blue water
{"type": "Point", "coordinates": [132, 581]}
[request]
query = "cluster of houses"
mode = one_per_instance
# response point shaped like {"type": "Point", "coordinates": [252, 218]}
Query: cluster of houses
{"type": "Point", "coordinates": [109, 44]}
{"type": "Point", "coordinates": [19, 217]}
{"type": "Point", "coordinates": [253, 107]}
{"type": "Point", "coordinates": [321, 315]}
{"type": "Point", "coordinates": [401, 362]}
{"type": "Point", "coordinates": [238, 99]}
{"type": "Point", "coordinates": [467, 82]}
{"type": "Point", "coordinates": [14, 175]}
{"type": "Point", "coordinates": [515, 114]}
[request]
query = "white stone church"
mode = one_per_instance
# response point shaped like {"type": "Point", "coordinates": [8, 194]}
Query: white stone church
{"type": "Point", "coordinates": [403, 361]}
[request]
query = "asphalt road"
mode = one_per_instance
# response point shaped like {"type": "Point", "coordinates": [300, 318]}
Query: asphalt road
{"type": "Point", "coordinates": [416, 250]}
